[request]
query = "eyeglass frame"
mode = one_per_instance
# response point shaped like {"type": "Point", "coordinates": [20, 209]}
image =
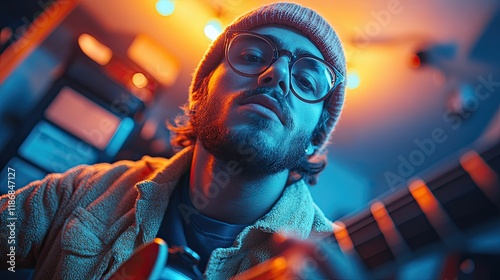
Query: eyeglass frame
{"type": "Point", "coordinates": [277, 53]}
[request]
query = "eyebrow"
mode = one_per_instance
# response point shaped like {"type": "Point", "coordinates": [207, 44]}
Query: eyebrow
{"type": "Point", "coordinates": [298, 52]}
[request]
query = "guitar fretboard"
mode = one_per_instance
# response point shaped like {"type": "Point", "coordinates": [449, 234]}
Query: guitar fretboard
{"type": "Point", "coordinates": [427, 212]}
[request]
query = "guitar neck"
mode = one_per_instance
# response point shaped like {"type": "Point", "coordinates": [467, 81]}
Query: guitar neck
{"type": "Point", "coordinates": [438, 211]}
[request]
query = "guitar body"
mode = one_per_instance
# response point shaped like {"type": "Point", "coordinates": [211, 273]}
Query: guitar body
{"type": "Point", "coordinates": [155, 261]}
{"type": "Point", "coordinates": [147, 262]}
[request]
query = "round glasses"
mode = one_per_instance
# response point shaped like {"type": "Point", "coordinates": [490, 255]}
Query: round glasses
{"type": "Point", "coordinates": [249, 54]}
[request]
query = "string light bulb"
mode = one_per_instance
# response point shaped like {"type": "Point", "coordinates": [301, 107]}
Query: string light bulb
{"type": "Point", "coordinates": [213, 29]}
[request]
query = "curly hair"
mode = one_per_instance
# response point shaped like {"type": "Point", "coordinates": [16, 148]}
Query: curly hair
{"type": "Point", "coordinates": [184, 135]}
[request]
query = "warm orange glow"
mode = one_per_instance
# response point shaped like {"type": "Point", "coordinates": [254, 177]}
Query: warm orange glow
{"type": "Point", "coordinates": [342, 236]}
{"type": "Point", "coordinates": [151, 56]}
{"type": "Point", "coordinates": [139, 80]}
{"type": "Point", "coordinates": [431, 208]}
{"type": "Point", "coordinates": [423, 196]}
{"type": "Point", "coordinates": [5, 35]}
{"type": "Point", "coordinates": [482, 174]}
{"type": "Point", "coordinates": [94, 49]}
{"type": "Point", "coordinates": [276, 268]}
{"type": "Point", "coordinates": [414, 61]}
{"type": "Point", "coordinates": [386, 226]}
{"type": "Point", "coordinates": [382, 218]}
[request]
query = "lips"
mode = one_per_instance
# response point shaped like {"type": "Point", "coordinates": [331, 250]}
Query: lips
{"type": "Point", "coordinates": [267, 102]}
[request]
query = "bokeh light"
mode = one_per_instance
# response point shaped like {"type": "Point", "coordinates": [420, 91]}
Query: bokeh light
{"type": "Point", "coordinates": [94, 49]}
{"type": "Point", "coordinates": [353, 80]}
{"type": "Point", "coordinates": [165, 7]}
{"type": "Point", "coordinates": [213, 29]}
{"type": "Point", "coordinates": [139, 80]}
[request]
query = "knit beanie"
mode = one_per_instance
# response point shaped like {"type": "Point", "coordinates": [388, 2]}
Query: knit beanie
{"type": "Point", "coordinates": [303, 19]}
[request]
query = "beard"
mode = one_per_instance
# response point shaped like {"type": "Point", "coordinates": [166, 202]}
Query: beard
{"type": "Point", "coordinates": [256, 153]}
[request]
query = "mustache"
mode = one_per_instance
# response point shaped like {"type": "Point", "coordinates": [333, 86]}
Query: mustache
{"type": "Point", "coordinates": [283, 106]}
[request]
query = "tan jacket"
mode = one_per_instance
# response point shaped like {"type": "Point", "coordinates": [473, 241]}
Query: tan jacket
{"type": "Point", "coordinates": [82, 224]}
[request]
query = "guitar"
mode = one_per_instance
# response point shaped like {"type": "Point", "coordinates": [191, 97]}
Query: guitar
{"type": "Point", "coordinates": [446, 211]}
{"type": "Point", "coordinates": [154, 260]}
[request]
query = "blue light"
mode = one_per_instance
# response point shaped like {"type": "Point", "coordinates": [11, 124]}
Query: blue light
{"type": "Point", "coordinates": [165, 7]}
{"type": "Point", "coordinates": [353, 80]}
{"type": "Point", "coordinates": [121, 134]}
{"type": "Point", "coordinates": [213, 29]}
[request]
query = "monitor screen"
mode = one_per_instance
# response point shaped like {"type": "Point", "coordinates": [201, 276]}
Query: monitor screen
{"type": "Point", "coordinates": [83, 118]}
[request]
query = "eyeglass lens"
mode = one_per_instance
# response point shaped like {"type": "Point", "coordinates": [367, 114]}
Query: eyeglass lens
{"type": "Point", "coordinates": [252, 55]}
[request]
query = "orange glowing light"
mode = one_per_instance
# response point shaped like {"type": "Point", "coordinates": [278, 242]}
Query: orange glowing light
{"type": "Point", "coordinates": [482, 174]}
{"type": "Point", "coordinates": [278, 266]}
{"type": "Point", "coordinates": [94, 49]}
{"type": "Point", "coordinates": [414, 61]}
{"type": "Point", "coordinates": [154, 58]}
{"type": "Point", "coordinates": [387, 227]}
{"type": "Point", "coordinates": [432, 210]}
{"type": "Point", "coordinates": [423, 196]}
{"type": "Point", "coordinates": [382, 218]}
{"type": "Point", "coordinates": [139, 80]}
{"type": "Point", "coordinates": [342, 236]}
{"type": "Point", "coordinates": [275, 268]}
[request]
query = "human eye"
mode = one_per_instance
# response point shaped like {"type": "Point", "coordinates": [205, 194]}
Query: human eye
{"type": "Point", "coordinates": [252, 56]}
{"type": "Point", "coordinates": [305, 82]}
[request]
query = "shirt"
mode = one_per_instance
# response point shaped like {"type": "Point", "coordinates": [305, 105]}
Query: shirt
{"type": "Point", "coordinates": [183, 225]}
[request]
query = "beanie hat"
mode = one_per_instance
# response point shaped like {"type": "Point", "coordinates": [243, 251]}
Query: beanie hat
{"type": "Point", "coordinates": [303, 19]}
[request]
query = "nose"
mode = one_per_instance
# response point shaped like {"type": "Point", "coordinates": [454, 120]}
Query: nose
{"type": "Point", "coordinates": [277, 75]}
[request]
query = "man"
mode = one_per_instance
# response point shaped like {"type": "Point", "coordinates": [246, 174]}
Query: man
{"type": "Point", "coordinates": [262, 105]}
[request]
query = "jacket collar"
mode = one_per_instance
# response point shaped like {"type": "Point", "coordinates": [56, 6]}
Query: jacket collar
{"type": "Point", "coordinates": [293, 214]}
{"type": "Point", "coordinates": [155, 192]}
